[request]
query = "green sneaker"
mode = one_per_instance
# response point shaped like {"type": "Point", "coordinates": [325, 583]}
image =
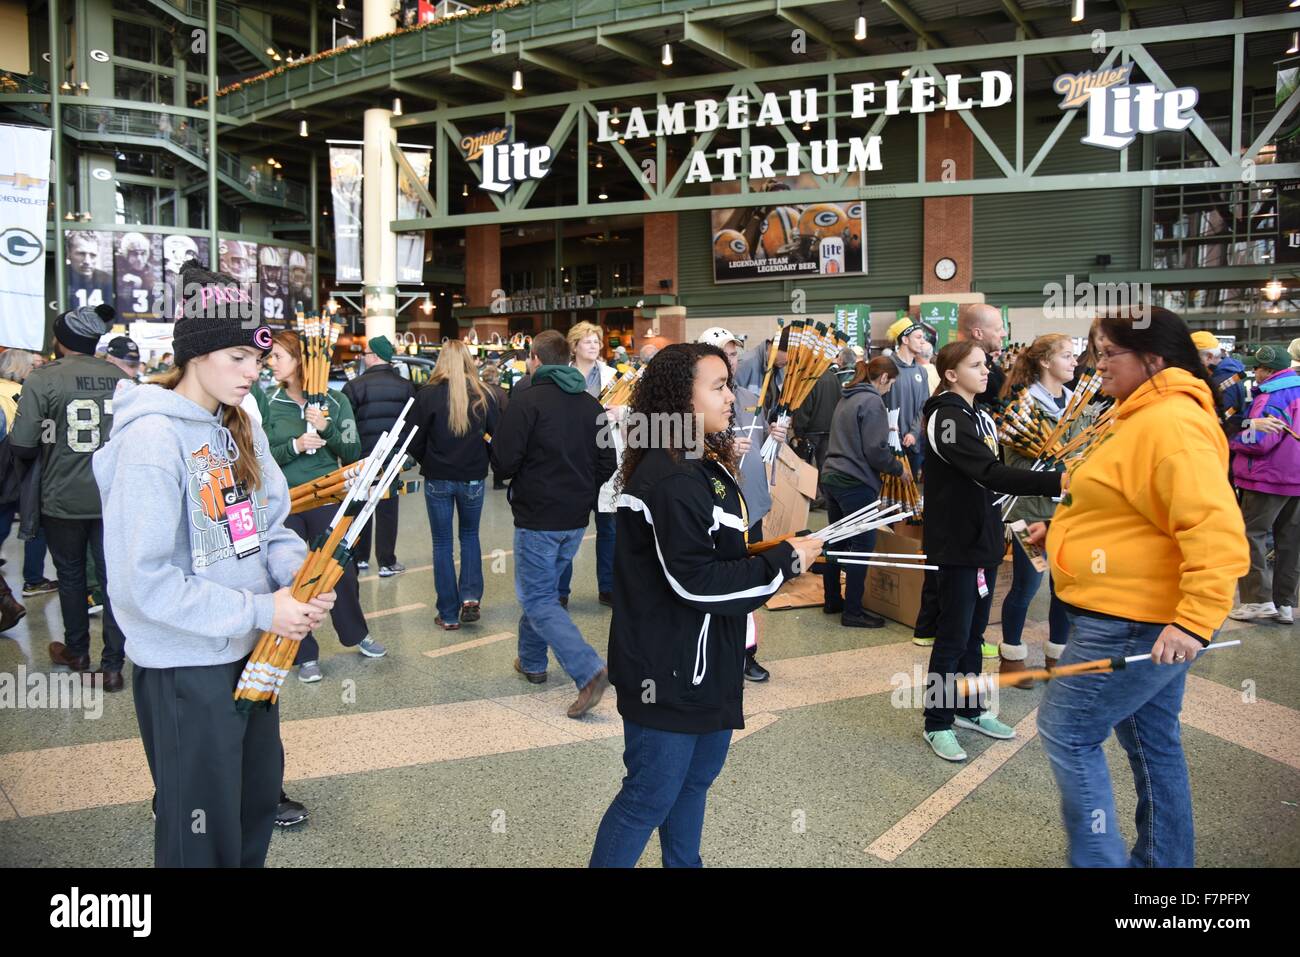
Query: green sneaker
{"type": "Point", "coordinates": [923, 642]}
{"type": "Point", "coordinates": [944, 744]}
{"type": "Point", "coordinates": [987, 724]}
{"type": "Point", "coordinates": [989, 651]}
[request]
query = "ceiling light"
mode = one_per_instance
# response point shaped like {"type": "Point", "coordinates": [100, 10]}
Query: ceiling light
{"type": "Point", "coordinates": [464, 190]}
{"type": "Point", "coordinates": [517, 81]}
{"type": "Point", "coordinates": [666, 56]}
{"type": "Point", "coordinates": [860, 28]}
{"type": "Point", "coordinates": [600, 162]}
{"type": "Point", "coordinates": [302, 128]}
{"type": "Point", "coordinates": [603, 195]}
{"type": "Point", "coordinates": [1076, 15]}
{"type": "Point", "coordinates": [1295, 42]}
{"type": "Point", "coordinates": [397, 106]}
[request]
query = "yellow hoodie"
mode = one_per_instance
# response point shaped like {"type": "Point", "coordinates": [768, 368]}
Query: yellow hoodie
{"type": "Point", "coordinates": [1150, 530]}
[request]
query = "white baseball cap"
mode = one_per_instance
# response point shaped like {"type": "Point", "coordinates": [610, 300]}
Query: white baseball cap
{"type": "Point", "coordinates": [718, 336]}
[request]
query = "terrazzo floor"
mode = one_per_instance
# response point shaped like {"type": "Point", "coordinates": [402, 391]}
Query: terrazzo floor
{"type": "Point", "coordinates": [440, 755]}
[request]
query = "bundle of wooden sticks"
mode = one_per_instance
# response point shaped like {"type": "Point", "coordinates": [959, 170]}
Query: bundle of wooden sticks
{"type": "Point", "coordinates": [902, 489]}
{"type": "Point", "coordinates": [812, 349]}
{"type": "Point", "coordinates": [317, 336]}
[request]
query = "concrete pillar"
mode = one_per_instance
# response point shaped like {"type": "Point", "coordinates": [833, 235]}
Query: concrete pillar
{"type": "Point", "coordinates": [948, 220]}
{"type": "Point", "coordinates": [379, 198]}
{"type": "Point", "coordinates": [379, 209]}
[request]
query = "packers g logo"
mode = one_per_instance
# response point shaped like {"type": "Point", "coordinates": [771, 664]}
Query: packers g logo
{"type": "Point", "coordinates": [262, 337]}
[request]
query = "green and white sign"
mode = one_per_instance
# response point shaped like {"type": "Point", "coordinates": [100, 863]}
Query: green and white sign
{"type": "Point", "coordinates": [942, 317]}
{"type": "Point", "coordinates": [855, 322]}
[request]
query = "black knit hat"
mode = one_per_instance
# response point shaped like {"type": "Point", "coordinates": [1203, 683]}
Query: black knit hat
{"type": "Point", "coordinates": [81, 329]}
{"type": "Point", "coordinates": [216, 313]}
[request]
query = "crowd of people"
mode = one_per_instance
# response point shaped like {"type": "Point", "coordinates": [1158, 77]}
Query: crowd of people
{"type": "Point", "coordinates": [1149, 536]}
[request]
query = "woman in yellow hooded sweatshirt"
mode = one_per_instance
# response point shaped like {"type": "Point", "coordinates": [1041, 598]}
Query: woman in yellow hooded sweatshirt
{"type": "Point", "coordinates": [1145, 549]}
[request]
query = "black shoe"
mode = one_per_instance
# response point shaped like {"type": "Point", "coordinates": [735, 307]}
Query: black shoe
{"type": "Point", "coordinates": [564, 601]}
{"type": "Point", "coordinates": [289, 812]}
{"type": "Point", "coordinates": [754, 671]}
{"type": "Point", "coordinates": [864, 620]}
{"type": "Point", "coordinates": [606, 598]}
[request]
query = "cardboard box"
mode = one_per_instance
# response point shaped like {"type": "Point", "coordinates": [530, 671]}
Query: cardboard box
{"type": "Point", "coordinates": [896, 592]}
{"type": "Point", "coordinates": [793, 491]}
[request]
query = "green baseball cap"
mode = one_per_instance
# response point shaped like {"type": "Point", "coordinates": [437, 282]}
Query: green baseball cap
{"type": "Point", "coordinates": [1273, 357]}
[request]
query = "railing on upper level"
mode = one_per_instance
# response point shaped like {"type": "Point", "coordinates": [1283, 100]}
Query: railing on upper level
{"type": "Point", "coordinates": [228, 16]}
{"type": "Point", "coordinates": [189, 137]}
{"type": "Point", "coordinates": [11, 82]}
{"type": "Point", "coordinates": [454, 35]}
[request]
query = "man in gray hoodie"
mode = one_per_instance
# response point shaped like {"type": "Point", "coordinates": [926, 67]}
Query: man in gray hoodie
{"type": "Point", "coordinates": [910, 389]}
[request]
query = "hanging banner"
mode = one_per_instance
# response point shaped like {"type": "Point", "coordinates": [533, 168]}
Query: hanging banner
{"type": "Point", "coordinates": [345, 185]}
{"type": "Point", "coordinates": [854, 321]}
{"type": "Point", "coordinates": [1287, 139]}
{"type": "Point", "coordinates": [178, 249]}
{"type": "Point", "coordinates": [277, 304]}
{"type": "Point", "coordinates": [137, 266]}
{"type": "Point", "coordinates": [410, 246]}
{"type": "Point", "coordinates": [89, 264]}
{"type": "Point", "coordinates": [942, 318]}
{"type": "Point", "coordinates": [783, 242]}
{"type": "Point", "coordinates": [25, 193]}
{"type": "Point", "coordinates": [301, 292]}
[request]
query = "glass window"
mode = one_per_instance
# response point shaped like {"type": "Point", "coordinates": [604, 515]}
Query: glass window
{"type": "Point", "coordinates": [165, 55]}
{"type": "Point", "coordinates": [135, 204]}
{"type": "Point", "coordinates": [135, 85]}
{"type": "Point", "coordinates": [166, 207]}
{"type": "Point", "coordinates": [136, 162]}
{"type": "Point", "coordinates": [133, 41]}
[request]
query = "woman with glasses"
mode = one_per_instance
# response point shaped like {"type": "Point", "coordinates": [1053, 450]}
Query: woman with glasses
{"type": "Point", "coordinates": [1145, 552]}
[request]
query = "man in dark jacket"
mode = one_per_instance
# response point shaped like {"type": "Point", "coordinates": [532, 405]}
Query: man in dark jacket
{"type": "Point", "coordinates": [549, 444]}
{"type": "Point", "coordinates": [65, 413]}
{"type": "Point", "coordinates": [1229, 378]}
{"type": "Point", "coordinates": [378, 396]}
{"type": "Point", "coordinates": [812, 424]}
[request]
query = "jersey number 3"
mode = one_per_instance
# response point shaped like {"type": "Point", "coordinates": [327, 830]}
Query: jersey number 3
{"type": "Point", "coordinates": [83, 425]}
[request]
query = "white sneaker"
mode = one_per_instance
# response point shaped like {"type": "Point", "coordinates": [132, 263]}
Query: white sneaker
{"type": "Point", "coordinates": [1264, 609]}
{"type": "Point", "coordinates": [1285, 615]}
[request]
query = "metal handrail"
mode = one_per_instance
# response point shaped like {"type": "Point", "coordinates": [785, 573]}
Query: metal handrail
{"type": "Point", "coordinates": [443, 38]}
{"type": "Point", "coordinates": [190, 137]}
{"type": "Point", "coordinates": [11, 82]}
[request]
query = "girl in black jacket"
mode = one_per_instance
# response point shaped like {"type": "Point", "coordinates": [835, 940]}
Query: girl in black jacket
{"type": "Point", "coordinates": [684, 588]}
{"type": "Point", "coordinates": [964, 537]}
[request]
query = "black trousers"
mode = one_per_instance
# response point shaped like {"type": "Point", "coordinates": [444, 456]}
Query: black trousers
{"type": "Point", "coordinates": [349, 621]}
{"type": "Point", "coordinates": [216, 771]}
{"type": "Point", "coordinates": [68, 539]}
{"type": "Point", "coordinates": [963, 616]}
{"type": "Point", "coordinates": [385, 530]}
{"type": "Point", "coordinates": [927, 619]}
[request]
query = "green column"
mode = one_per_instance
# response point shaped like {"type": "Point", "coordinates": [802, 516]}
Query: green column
{"type": "Point", "coordinates": [56, 139]}
{"type": "Point", "coordinates": [214, 248]}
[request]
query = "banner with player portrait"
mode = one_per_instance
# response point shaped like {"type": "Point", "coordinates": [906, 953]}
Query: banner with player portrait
{"type": "Point", "coordinates": [779, 241]}
{"type": "Point", "coordinates": [345, 186]}
{"type": "Point", "coordinates": [137, 270]}
{"type": "Point", "coordinates": [410, 246]}
{"type": "Point", "coordinates": [273, 280]}
{"type": "Point", "coordinates": [89, 264]}
{"type": "Point", "coordinates": [177, 251]}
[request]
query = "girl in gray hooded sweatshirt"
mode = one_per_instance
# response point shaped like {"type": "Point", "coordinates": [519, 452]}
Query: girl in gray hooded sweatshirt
{"type": "Point", "coordinates": [200, 562]}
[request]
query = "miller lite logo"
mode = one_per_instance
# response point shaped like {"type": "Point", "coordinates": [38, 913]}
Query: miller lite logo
{"type": "Point", "coordinates": [473, 146]}
{"type": "Point", "coordinates": [507, 164]}
{"type": "Point", "coordinates": [1118, 110]}
{"type": "Point", "coordinates": [831, 255]}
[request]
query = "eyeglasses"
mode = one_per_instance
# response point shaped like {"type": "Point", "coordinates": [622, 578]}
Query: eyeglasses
{"type": "Point", "coordinates": [1111, 355]}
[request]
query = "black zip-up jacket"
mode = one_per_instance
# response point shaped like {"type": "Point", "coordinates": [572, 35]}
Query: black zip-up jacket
{"type": "Point", "coordinates": [962, 478]}
{"type": "Point", "coordinates": [441, 453]}
{"type": "Point", "coordinates": [377, 397]}
{"type": "Point", "coordinates": [547, 445]}
{"type": "Point", "coordinates": [683, 586]}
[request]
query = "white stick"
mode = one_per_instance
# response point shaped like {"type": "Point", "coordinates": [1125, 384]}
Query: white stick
{"type": "Point", "coordinates": [844, 561]}
{"type": "Point", "coordinates": [1218, 644]}
{"type": "Point", "coordinates": [390, 473]}
{"type": "Point", "coordinates": [874, 554]}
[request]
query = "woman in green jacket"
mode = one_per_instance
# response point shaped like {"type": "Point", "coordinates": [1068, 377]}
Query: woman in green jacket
{"type": "Point", "coordinates": [304, 456]}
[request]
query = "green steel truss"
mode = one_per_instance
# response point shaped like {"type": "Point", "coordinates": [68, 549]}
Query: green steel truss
{"type": "Point", "coordinates": [1230, 162]}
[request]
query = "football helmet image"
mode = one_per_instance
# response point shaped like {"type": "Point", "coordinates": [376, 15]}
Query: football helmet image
{"type": "Point", "coordinates": [729, 245]}
{"type": "Point", "coordinates": [779, 233]}
{"type": "Point", "coordinates": [297, 270]}
{"type": "Point", "coordinates": [177, 250]}
{"type": "Point", "coordinates": [272, 271]}
{"type": "Point", "coordinates": [822, 220]}
{"type": "Point", "coordinates": [235, 260]}
{"type": "Point", "coordinates": [134, 249]}
{"type": "Point", "coordinates": [855, 227]}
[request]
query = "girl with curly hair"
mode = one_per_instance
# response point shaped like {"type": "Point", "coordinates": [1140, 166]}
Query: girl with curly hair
{"type": "Point", "coordinates": [684, 590]}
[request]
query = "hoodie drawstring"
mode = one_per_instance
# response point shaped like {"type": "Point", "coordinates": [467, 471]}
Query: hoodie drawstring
{"type": "Point", "coordinates": [223, 441]}
{"type": "Point", "coordinates": [701, 652]}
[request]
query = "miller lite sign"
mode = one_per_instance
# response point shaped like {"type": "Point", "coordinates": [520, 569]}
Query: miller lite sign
{"type": "Point", "coordinates": [507, 164]}
{"type": "Point", "coordinates": [1119, 110]}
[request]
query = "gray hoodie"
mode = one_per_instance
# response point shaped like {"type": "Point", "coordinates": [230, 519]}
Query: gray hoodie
{"type": "Point", "coordinates": [859, 445]}
{"type": "Point", "coordinates": [179, 594]}
{"type": "Point", "coordinates": [908, 395]}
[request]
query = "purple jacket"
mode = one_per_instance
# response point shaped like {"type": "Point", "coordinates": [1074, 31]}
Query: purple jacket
{"type": "Point", "coordinates": [1271, 463]}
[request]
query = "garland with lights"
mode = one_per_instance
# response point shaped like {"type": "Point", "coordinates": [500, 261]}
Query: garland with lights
{"type": "Point", "coordinates": [403, 31]}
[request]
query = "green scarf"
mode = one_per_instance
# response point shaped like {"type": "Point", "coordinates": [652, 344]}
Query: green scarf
{"type": "Point", "coordinates": [566, 377]}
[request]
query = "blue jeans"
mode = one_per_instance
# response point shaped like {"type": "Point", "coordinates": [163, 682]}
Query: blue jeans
{"type": "Point", "coordinates": [440, 498]}
{"type": "Point", "coordinates": [540, 558]}
{"type": "Point", "coordinates": [33, 551]}
{"type": "Point", "coordinates": [1141, 702]}
{"type": "Point", "coordinates": [667, 783]}
{"type": "Point", "coordinates": [841, 502]}
{"type": "Point", "coordinates": [604, 557]}
{"type": "Point", "coordinates": [1025, 579]}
